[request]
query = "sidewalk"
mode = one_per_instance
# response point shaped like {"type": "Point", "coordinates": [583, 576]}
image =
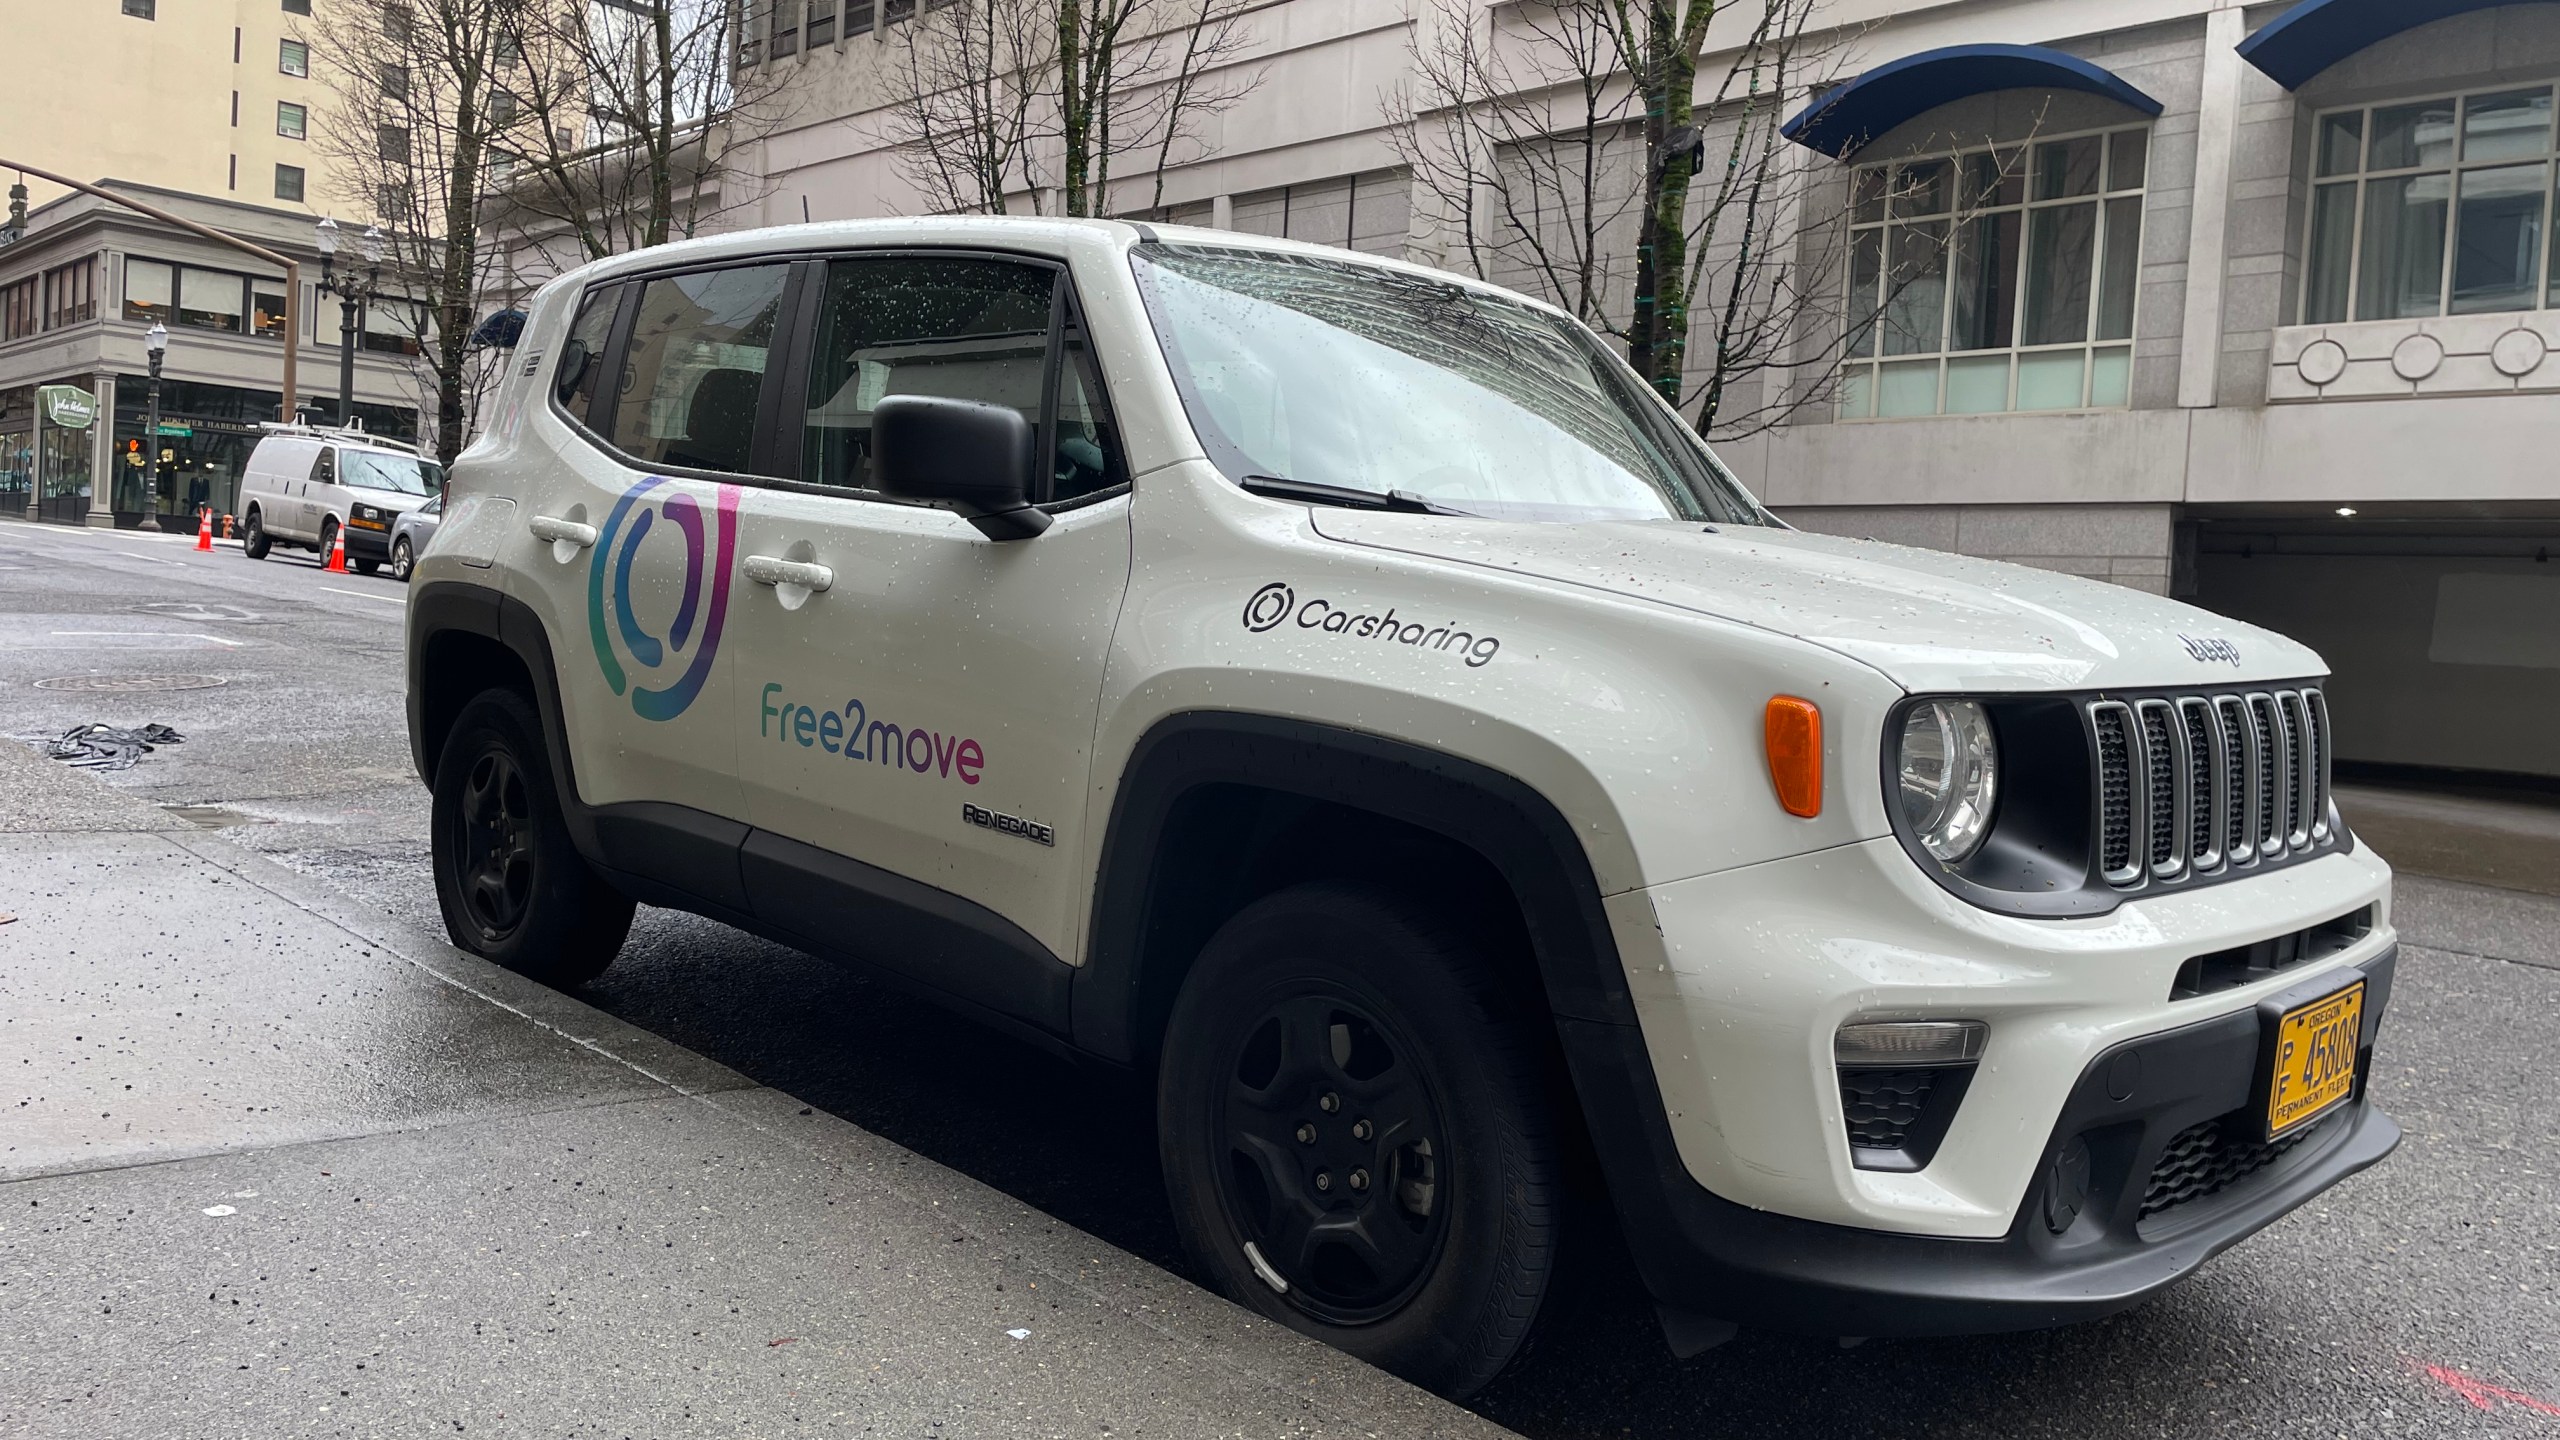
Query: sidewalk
{"type": "Point", "coordinates": [279, 1166]}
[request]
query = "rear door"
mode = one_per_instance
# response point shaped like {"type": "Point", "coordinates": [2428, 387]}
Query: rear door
{"type": "Point", "coordinates": [930, 713]}
{"type": "Point", "coordinates": [629, 549]}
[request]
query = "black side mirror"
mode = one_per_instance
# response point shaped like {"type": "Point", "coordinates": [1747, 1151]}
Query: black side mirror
{"type": "Point", "coordinates": [973, 457]}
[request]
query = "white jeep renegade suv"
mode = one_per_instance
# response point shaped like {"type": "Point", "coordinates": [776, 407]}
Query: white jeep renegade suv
{"type": "Point", "coordinates": [1344, 692]}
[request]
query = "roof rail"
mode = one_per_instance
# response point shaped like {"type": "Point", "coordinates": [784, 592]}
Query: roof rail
{"type": "Point", "coordinates": [355, 434]}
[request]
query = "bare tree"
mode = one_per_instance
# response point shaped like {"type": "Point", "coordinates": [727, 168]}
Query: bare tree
{"type": "Point", "coordinates": [1569, 151]}
{"type": "Point", "coordinates": [614, 121]}
{"type": "Point", "coordinates": [995, 98]}
{"type": "Point", "coordinates": [408, 123]}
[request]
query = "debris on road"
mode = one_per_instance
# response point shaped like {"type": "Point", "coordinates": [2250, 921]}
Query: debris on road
{"type": "Point", "coordinates": [218, 1211]}
{"type": "Point", "coordinates": [100, 746]}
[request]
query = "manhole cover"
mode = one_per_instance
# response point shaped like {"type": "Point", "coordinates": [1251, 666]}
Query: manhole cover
{"type": "Point", "coordinates": [129, 684]}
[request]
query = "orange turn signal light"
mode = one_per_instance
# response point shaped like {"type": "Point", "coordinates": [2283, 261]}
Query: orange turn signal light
{"type": "Point", "coordinates": [1792, 732]}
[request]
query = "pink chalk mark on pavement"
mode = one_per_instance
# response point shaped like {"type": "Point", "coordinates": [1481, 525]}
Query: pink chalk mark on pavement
{"type": "Point", "coordinates": [2483, 1395]}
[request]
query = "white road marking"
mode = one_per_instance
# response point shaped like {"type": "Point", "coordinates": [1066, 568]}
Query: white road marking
{"type": "Point", "coordinates": [149, 635]}
{"type": "Point", "coordinates": [400, 600]}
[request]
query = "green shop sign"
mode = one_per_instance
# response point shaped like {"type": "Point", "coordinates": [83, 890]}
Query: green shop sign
{"type": "Point", "coordinates": [68, 406]}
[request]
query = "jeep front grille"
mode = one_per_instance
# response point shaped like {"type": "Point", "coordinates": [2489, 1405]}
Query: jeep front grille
{"type": "Point", "coordinates": [2194, 784]}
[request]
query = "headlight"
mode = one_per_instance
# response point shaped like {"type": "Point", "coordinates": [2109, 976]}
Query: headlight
{"type": "Point", "coordinates": [1949, 770]}
{"type": "Point", "coordinates": [368, 512]}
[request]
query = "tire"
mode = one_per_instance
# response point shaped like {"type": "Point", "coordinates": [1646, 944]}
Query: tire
{"type": "Point", "coordinates": [511, 884]}
{"type": "Point", "coordinates": [1346, 1089]}
{"type": "Point", "coordinates": [328, 537]}
{"type": "Point", "coordinates": [253, 537]}
{"type": "Point", "coordinates": [366, 567]}
{"type": "Point", "coordinates": [403, 560]}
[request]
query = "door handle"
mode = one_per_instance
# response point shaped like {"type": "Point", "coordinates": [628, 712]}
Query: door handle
{"type": "Point", "coordinates": [774, 570]}
{"type": "Point", "coordinates": [561, 532]}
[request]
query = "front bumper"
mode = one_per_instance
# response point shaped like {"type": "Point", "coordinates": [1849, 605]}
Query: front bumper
{"type": "Point", "coordinates": [1719, 1113]}
{"type": "Point", "coordinates": [2059, 1263]}
{"type": "Point", "coordinates": [363, 544]}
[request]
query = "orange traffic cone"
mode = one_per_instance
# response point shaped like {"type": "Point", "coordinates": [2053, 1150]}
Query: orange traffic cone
{"type": "Point", "coordinates": [337, 552]}
{"type": "Point", "coordinates": [204, 529]}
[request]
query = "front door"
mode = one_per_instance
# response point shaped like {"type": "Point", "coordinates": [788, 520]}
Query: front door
{"type": "Point", "coordinates": [930, 712]}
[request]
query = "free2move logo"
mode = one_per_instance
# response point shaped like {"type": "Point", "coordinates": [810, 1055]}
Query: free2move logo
{"type": "Point", "coordinates": [678, 662]}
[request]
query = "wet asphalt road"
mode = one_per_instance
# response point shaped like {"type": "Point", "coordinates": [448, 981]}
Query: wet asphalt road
{"type": "Point", "coordinates": [2447, 1256]}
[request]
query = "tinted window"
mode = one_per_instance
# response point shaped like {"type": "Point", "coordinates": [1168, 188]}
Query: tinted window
{"type": "Point", "coordinates": [913, 325]}
{"type": "Point", "coordinates": [573, 379]}
{"type": "Point", "coordinates": [696, 367]}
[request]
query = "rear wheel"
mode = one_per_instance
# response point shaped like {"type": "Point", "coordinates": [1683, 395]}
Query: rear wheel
{"type": "Point", "coordinates": [510, 882]}
{"type": "Point", "coordinates": [253, 537]}
{"type": "Point", "coordinates": [1356, 1136]}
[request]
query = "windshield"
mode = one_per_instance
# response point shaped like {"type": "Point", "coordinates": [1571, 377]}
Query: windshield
{"type": "Point", "coordinates": [1336, 373]}
{"type": "Point", "coordinates": [402, 474]}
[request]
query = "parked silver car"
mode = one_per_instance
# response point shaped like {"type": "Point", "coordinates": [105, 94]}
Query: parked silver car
{"type": "Point", "coordinates": [410, 534]}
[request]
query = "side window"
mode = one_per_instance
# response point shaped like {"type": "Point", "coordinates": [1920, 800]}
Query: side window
{"type": "Point", "coordinates": [324, 467]}
{"type": "Point", "coordinates": [574, 378]}
{"type": "Point", "coordinates": [958, 327]}
{"type": "Point", "coordinates": [696, 367]}
{"type": "Point", "coordinates": [1086, 456]}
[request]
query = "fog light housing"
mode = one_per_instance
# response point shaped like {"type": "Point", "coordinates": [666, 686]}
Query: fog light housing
{"type": "Point", "coordinates": [1901, 1082]}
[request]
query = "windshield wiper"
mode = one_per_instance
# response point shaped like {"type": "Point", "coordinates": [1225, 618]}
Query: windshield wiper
{"type": "Point", "coordinates": [1317, 493]}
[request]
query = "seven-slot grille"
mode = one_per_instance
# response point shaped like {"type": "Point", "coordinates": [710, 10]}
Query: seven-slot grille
{"type": "Point", "coordinates": [2195, 783]}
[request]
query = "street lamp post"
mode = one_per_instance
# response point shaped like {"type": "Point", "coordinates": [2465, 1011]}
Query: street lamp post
{"type": "Point", "coordinates": [155, 344]}
{"type": "Point", "coordinates": [353, 295]}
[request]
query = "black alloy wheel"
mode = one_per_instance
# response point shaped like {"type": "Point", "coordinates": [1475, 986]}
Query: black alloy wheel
{"type": "Point", "coordinates": [1332, 1139]}
{"type": "Point", "coordinates": [253, 537]}
{"type": "Point", "coordinates": [403, 560]}
{"type": "Point", "coordinates": [1354, 1112]}
{"type": "Point", "coordinates": [496, 839]}
{"type": "Point", "coordinates": [509, 878]}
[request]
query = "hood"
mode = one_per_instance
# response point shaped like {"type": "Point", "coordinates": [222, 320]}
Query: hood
{"type": "Point", "coordinates": [398, 502]}
{"type": "Point", "coordinates": [1930, 621]}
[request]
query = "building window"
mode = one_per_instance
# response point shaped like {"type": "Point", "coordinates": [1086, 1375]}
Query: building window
{"type": "Point", "coordinates": [397, 203]}
{"type": "Point", "coordinates": [857, 16]}
{"type": "Point", "coordinates": [395, 82]}
{"type": "Point", "coordinates": [391, 327]}
{"type": "Point", "coordinates": [1995, 279]}
{"type": "Point", "coordinates": [266, 308]}
{"type": "Point", "coordinates": [391, 142]}
{"type": "Point", "coordinates": [293, 57]}
{"type": "Point", "coordinates": [510, 52]}
{"type": "Point", "coordinates": [71, 293]}
{"type": "Point", "coordinates": [502, 107]}
{"type": "Point", "coordinates": [291, 120]}
{"type": "Point", "coordinates": [18, 309]}
{"type": "Point", "coordinates": [2431, 207]}
{"type": "Point", "coordinates": [142, 9]}
{"type": "Point", "coordinates": [184, 295]}
{"type": "Point", "coordinates": [502, 167]}
{"type": "Point", "coordinates": [786, 27]}
{"type": "Point", "coordinates": [297, 7]}
{"type": "Point", "coordinates": [289, 182]}
{"type": "Point", "coordinates": [822, 23]}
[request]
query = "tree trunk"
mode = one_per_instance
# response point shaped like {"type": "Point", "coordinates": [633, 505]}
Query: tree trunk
{"type": "Point", "coordinates": [1074, 106]}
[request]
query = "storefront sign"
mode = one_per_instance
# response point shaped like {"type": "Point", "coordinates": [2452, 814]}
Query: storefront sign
{"type": "Point", "coordinates": [68, 406]}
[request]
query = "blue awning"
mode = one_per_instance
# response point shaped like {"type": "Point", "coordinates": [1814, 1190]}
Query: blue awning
{"type": "Point", "coordinates": [2317, 34]}
{"type": "Point", "coordinates": [1844, 118]}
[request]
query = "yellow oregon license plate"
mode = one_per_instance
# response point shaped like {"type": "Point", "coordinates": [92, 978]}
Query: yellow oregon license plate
{"type": "Point", "coordinates": [2315, 1059]}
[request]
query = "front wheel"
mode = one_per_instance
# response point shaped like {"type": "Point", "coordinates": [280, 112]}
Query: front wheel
{"type": "Point", "coordinates": [328, 537]}
{"type": "Point", "coordinates": [1356, 1137]}
{"type": "Point", "coordinates": [403, 560]}
{"type": "Point", "coordinates": [509, 880]}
